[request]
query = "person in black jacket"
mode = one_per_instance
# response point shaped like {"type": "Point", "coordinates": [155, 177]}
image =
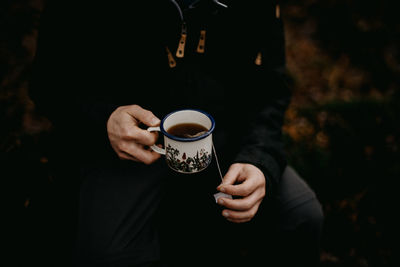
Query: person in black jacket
{"type": "Point", "coordinates": [104, 71]}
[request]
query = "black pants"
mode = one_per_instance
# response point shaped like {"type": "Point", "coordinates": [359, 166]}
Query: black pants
{"type": "Point", "coordinates": [285, 232]}
{"type": "Point", "coordinates": [150, 216]}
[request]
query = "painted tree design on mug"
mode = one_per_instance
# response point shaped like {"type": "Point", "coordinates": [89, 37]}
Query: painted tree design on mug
{"type": "Point", "coordinates": [187, 164]}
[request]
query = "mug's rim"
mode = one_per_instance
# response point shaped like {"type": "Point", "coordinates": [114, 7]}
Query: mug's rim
{"type": "Point", "coordinates": [187, 139]}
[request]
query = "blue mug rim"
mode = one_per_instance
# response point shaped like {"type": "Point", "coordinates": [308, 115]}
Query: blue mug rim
{"type": "Point", "coordinates": [187, 139]}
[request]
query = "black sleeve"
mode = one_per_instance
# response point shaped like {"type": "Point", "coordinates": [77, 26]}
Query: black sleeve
{"type": "Point", "coordinates": [262, 145]}
{"type": "Point", "coordinates": [59, 84]}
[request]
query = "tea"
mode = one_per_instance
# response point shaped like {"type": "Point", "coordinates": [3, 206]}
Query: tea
{"type": "Point", "coordinates": [186, 129]}
{"type": "Point", "coordinates": [187, 140]}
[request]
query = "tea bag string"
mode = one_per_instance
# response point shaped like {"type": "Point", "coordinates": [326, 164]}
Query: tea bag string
{"type": "Point", "coordinates": [219, 194]}
{"type": "Point", "coordinates": [213, 148]}
{"type": "Point", "coordinates": [217, 161]}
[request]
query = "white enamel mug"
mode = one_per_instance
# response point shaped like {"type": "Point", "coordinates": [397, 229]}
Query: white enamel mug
{"type": "Point", "coordinates": [191, 154]}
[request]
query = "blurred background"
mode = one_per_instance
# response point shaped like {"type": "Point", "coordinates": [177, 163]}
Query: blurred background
{"type": "Point", "coordinates": [341, 130]}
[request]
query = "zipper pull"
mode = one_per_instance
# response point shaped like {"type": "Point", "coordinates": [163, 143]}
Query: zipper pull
{"type": "Point", "coordinates": [277, 11]}
{"type": "Point", "coordinates": [258, 60]}
{"type": "Point", "coordinates": [171, 60]}
{"type": "Point", "coordinates": [202, 41]}
{"type": "Point", "coordinates": [180, 52]}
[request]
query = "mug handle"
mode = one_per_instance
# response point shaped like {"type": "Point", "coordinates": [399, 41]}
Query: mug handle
{"type": "Point", "coordinates": [155, 148]}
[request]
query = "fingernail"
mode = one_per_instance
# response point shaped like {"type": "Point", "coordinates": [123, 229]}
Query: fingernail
{"type": "Point", "coordinates": [225, 214]}
{"type": "Point", "coordinates": [220, 201]}
{"type": "Point", "coordinates": [222, 189]}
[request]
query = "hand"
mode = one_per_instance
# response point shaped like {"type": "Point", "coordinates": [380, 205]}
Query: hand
{"type": "Point", "coordinates": [128, 140]}
{"type": "Point", "coordinates": [247, 181]}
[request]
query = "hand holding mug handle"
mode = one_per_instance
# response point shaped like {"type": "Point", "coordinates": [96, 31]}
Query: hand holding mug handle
{"type": "Point", "coordinates": [155, 148]}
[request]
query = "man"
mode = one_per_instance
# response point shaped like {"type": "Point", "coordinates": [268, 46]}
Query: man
{"type": "Point", "coordinates": [106, 71]}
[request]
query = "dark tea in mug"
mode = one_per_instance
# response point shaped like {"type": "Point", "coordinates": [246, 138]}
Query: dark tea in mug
{"type": "Point", "coordinates": [185, 130]}
{"type": "Point", "coordinates": [187, 140]}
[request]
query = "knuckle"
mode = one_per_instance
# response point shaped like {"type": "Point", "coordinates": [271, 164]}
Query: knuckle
{"type": "Point", "coordinates": [263, 192]}
{"type": "Point", "coordinates": [144, 138]}
{"type": "Point", "coordinates": [121, 146]}
{"type": "Point", "coordinates": [148, 114]}
{"type": "Point", "coordinates": [127, 133]}
{"type": "Point", "coordinates": [262, 181]}
{"type": "Point", "coordinates": [235, 166]}
{"type": "Point", "coordinates": [119, 109]}
{"type": "Point", "coordinates": [252, 213]}
{"type": "Point", "coordinates": [145, 158]}
{"type": "Point", "coordinates": [121, 156]}
{"type": "Point", "coordinates": [149, 139]}
{"type": "Point", "coordinates": [154, 138]}
{"type": "Point", "coordinates": [232, 215]}
{"type": "Point", "coordinates": [246, 205]}
{"type": "Point", "coordinates": [149, 160]}
{"type": "Point", "coordinates": [246, 190]}
{"type": "Point", "coordinates": [229, 204]}
{"type": "Point", "coordinates": [135, 107]}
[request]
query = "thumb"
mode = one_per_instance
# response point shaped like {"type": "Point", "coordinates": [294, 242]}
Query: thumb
{"type": "Point", "coordinates": [230, 177]}
{"type": "Point", "coordinates": [143, 115]}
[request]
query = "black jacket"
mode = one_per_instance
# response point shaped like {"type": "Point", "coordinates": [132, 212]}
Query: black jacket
{"type": "Point", "coordinates": [94, 56]}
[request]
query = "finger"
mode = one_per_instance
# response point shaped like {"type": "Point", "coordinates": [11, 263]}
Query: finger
{"type": "Point", "coordinates": [244, 189]}
{"type": "Point", "coordinates": [125, 156]}
{"type": "Point", "coordinates": [241, 204]}
{"type": "Point", "coordinates": [147, 157]}
{"type": "Point", "coordinates": [230, 177]}
{"type": "Point", "coordinates": [143, 115]}
{"type": "Point", "coordinates": [144, 137]}
{"type": "Point", "coordinates": [131, 132]}
{"type": "Point", "coordinates": [140, 153]}
{"type": "Point", "coordinates": [241, 215]}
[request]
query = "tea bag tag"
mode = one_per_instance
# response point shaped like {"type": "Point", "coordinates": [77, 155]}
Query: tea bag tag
{"type": "Point", "coordinates": [220, 194]}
